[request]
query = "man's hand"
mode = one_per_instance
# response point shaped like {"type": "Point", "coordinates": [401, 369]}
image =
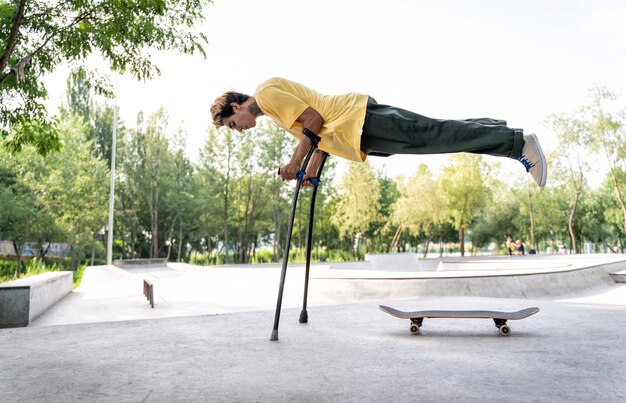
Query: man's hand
{"type": "Point", "coordinates": [289, 171]}
{"type": "Point", "coordinates": [312, 168]}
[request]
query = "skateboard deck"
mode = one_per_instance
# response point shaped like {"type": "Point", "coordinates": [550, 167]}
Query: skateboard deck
{"type": "Point", "coordinates": [500, 318]}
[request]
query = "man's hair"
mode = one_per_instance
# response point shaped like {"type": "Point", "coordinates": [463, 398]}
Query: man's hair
{"type": "Point", "coordinates": [222, 107]}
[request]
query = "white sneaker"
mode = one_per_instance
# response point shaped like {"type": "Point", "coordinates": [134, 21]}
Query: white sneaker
{"type": "Point", "coordinates": [533, 159]}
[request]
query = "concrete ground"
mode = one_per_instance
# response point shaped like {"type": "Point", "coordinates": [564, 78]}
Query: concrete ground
{"type": "Point", "coordinates": [210, 342]}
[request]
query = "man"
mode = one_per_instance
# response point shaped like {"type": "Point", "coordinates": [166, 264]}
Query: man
{"type": "Point", "coordinates": [354, 125]}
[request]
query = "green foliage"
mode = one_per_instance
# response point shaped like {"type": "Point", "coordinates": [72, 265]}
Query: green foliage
{"type": "Point", "coordinates": [38, 35]}
{"type": "Point", "coordinates": [8, 270]}
{"type": "Point", "coordinates": [231, 207]}
{"type": "Point", "coordinates": [422, 205]}
{"type": "Point", "coordinates": [359, 201]}
{"type": "Point", "coordinates": [464, 190]}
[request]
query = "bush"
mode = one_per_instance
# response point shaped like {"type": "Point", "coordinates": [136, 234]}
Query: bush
{"type": "Point", "coordinates": [199, 259]}
{"type": "Point", "coordinates": [263, 256]}
{"type": "Point", "coordinates": [32, 267]}
{"type": "Point", "coordinates": [7, 269]}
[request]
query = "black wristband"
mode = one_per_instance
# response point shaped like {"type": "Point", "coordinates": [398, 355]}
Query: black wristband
{"type": "Point", "coordinates": [314, 137]}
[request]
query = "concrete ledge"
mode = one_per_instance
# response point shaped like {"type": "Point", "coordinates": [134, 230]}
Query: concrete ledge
{"type": "Point", "coordinates": [130, 263]}
{"type": "Point", "coordinates": [23, 300]}
{"type": "Point", "coordinates": [393, 261]}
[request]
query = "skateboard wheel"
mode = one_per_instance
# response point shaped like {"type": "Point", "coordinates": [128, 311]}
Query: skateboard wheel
{"type": "Point", "coordinates": [505, 330]}
{"type": "Point", "coordinates": [414, 329]}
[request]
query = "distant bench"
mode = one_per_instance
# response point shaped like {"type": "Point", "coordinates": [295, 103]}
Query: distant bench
{"type": "Point", "coordinates": [130, 263]}
{"type": "Point", "coordinates": [619, 276]}
{"type": "Point", "coordinates": [23, 300]}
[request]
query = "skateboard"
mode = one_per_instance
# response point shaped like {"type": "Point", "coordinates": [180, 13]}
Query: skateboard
{"type": "Point", "coordinates": [498, 317]}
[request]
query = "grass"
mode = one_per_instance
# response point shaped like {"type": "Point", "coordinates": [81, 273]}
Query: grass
{"type": "Point", "coordinates": [8, 270]}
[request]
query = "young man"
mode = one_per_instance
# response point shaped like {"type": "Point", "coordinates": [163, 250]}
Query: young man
{"type": "Point", "coordinates": [354, 125]}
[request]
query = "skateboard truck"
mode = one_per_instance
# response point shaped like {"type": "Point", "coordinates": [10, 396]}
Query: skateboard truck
{"type": "Point", "coordinates": [316, 182]}
{"type": "Point", "coordinates": [505, 330]}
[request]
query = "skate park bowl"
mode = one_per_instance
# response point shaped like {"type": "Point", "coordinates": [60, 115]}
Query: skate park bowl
{"type": "Point", "coordinates": [110, 293]}
{"type": "Point", "coordinates": [213, 330]}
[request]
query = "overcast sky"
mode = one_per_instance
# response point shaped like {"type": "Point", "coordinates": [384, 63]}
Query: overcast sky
{"type": "Point", "coordinates": [513, 60]}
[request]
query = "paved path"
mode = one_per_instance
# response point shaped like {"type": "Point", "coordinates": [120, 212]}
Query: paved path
{"type": "Point", "coordinates": [571, 351]}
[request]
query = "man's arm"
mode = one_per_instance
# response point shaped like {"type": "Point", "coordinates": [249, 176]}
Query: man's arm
{"type": "Point", "coordinates": [312, 120]}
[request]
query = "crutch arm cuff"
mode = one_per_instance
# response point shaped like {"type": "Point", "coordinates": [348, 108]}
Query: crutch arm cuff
{"type": "Point", "coordinates": [315, 139]}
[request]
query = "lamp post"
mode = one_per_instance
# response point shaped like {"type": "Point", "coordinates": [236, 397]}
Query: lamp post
{"type": "Point", "coordinates": [112, 188]}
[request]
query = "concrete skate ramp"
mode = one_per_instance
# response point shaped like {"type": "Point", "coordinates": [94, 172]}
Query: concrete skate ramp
{"type": "Point", "coordinates": [518, 277]}
{"type": "Point", "coordinates": [109, 293]}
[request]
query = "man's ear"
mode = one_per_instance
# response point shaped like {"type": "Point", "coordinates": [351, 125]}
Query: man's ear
{"type": "Point", "coordinates": [236, 106]}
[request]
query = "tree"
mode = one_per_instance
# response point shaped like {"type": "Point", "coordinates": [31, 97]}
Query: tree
{"type": "Point", "coordinates": [420, 208]}
{"type": "Point", "coordinates": [358, 206]}
{"type": "Point", "coordinates": [76, 188]}
{"type": "Point", "coordinates": [218, 158]}
{"type": "Point", "coordinates": [127, 192]}
{"type": "Point", "coordinates": [154, 163]}
{"type": "Point", "coordinates": [383, 230]}
{"type": "Point", "coordinates": [552, 207]}
{"type": "Point", "coordinates": [603, 131]}
{"type": "Point", "coordinates": [19, 207]}
{"type": "Point", "coordinates": [499, 218]}
{"type": "Point", "coordinates": [570, 166]}
{"type": "Point", "coordinates": [250, 194]}
{"type": "Point", "coordinates": [206, 182]}
{"type": "Point", "coordinates": [37, 35]}
{"type": "Point", "coordinates": [274, 150]}
{"type": "Point", "coordinates": [180, 200]}
{"type": "Point", "coordinates": [95, 110]}
{"type": "Point", "coordinates": [462, 185]}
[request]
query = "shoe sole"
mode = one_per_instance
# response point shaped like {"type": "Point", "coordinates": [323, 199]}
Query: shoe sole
{"type": "Point", "coordinates": [544, 164]}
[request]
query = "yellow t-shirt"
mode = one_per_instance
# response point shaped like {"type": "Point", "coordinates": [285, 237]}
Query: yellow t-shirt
{"type": "Point", "coordinates": [344, 115]}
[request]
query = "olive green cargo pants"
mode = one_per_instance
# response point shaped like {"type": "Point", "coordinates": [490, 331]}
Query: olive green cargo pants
{"type": "Point", "coordinates": [389, 130]}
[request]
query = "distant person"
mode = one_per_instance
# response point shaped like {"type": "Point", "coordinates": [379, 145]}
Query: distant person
{"type": "Point", "coordinates": [510, 246]}
{"type": "Point", "coordinates": [355, 125]}
{"type": "Point", "coordinates": [519, 247]}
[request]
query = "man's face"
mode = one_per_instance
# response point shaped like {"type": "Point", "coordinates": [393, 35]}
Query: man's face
{"type": "Point", "coordinates": [242, 119]}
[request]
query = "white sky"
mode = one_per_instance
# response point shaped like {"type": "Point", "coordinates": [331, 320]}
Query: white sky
{"type": "Point", "coordinates": [513, 60]}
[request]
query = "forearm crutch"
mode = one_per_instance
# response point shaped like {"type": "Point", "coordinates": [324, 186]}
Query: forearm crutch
{"type": "Point", "coordinates": [304, 316]}
{"type": "Point", "coordinates": [300, 176]}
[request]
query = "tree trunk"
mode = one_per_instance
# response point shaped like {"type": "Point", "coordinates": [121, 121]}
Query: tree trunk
{"type": "Point", "coordinates": [226, 224]}
{"type": "Point", "coordinates": [133, 238]}
{"type": "Point", "coordinates": [620, 198]}
{"type": "Point", "coordinates": [276, 249]}
{"type": "Point", "coordinates": [93, 249]}
{"type": "Point", "coordinates": [396, 239]}
{"type": "Point", "coordinates": [461, 227]}
{"type": "Point", "coordinates": [532, 219]}
{"type": "Point", "coordinates": [43, 252]}
{"type": "Point", "coordinates": [426, 249]}
{"type": "Point", "coordinates": [570, 222]}
{"type": "Point", "coordinates": [16, 23]}
{"type": "Point", "coordinates": [18, 252]}
{"type": "Point", "coordinates": [154, 214]}
{"type": "Point", "coordinates": [180, 241]}
{"type": "Point", "coordinates": [462, 238]}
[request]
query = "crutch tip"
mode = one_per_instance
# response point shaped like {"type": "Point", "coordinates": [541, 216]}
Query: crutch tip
{"type": "Point", "coordinates": [274, 336]}
{"type": "Point", "coordinates": [304, 316]}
